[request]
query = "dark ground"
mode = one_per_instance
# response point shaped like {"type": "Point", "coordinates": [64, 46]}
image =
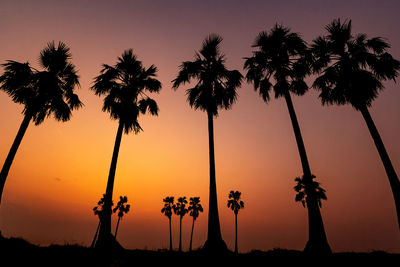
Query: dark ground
{"type": "Point", "coordinates": [18, 252]}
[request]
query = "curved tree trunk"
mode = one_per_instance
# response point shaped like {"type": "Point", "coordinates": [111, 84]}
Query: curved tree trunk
{"type": "Point", "coordinates": [95, 235]}
{"type": "Point", "coordinates": [116, 229]}
{"type": "Point", "coordinates": [13, 150]}
{"type": "Point", "coordinates": [391, 173]}
{"type": "Point", "coordinates": [317, 241]}
{"type": "Point", "coordinates": [106, 239]}
{"type": "Point", "coordinates": [170, 235]}
{"type": "Point", "coordinates": [236, 232]}
{"type": "Point", "coordinates": [214, 241]}
{"type": "Point", "coordinates": [191, 236]}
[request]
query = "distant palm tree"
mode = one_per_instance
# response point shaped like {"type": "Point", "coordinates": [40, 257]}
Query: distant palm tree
{"type": "Point", "coordinates": [351, 70]}
{"type": "Point", "coordinates": [194, 210]}
{"type": "Point", "coordinates": [97, 210]}
{"type": "Point", "coordinates": [167, 211]}
{"type": "Point", "coordinates": [180, 210]}
{"type": "Point", "coordinates": [215, 88]}
{"type": "Point", "coordinates": [235, 203]}
{"type": "Point", "coordinates": [124, 86]}
{"type": "Point", "coordinates": [283, 56]}
{"type": "Point", "coordinates": [303, 190]}
{"type": "Point", "coordinates": [122, 209]}
{"type": "Point", "coordinates": [43, 93]}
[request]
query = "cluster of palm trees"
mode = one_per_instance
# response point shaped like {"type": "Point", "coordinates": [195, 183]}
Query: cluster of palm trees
{"type": "Point", "coordinates": [180, 209]}
{"type": "Point", "coordinates": [350, 69]}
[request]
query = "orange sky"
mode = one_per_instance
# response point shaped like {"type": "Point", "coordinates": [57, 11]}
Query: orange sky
{"type": "Point", "coordinates": [60, 169]}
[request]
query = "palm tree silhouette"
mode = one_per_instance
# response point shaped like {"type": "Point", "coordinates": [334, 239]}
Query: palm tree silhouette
{"type": "Point", "coordinates": [97, 210]}
{"type": "Point", "coordinates": [303, 191]}
{"type": "Point", "coordinates": [43, 93]}
{"type": "Point", "coordinates": [283, 56]}
{"type": "Point", "coordinates": [169, 206]}
{"type": "Point", "coordinates": [351, 70]}
{"type": "Point", "coordinates": [124, 86]}
{"type": "Point", "coordinates": [215, 88]}
{"type": "Point", "coordinates": [194, 210]}
{"type": "Point", "coordinates": [235, 203]}
{"type": "Point", "coordinates": [180, 210]}
{"type": "Point", "coordinates": [122, 209]}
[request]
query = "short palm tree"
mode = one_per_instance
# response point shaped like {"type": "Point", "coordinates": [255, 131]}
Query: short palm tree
{"type": "Point", "coordinates": [97, 210]}
{"type": "Point", "coordinates": [43, 93]}
{"type": "Point", "coordinates": [124, 85]}
{"type": "Point", "coordinates": [235, 203]}
{"type": "Point", "coordinates": [351, 69]}
{"type": "Point", "coordinates": [303, 191]}
{"type": "Point", "coordinates": [282, 56]}
{"type": "Point", "coordinates": [215, 88]}
{"type": "Point", "coordinates": [180, 210]}
{"type": "Point", "coordinates": [194, 210]}
{"type": "Point", "coordinates": [122, 209]}
{"type": "Point", "coordinates": [167, 211]}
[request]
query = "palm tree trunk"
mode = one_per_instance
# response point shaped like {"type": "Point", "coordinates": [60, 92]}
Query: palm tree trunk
{"type": "Point", "coordinates": [214, 238]}
{"type": "Point", "coordinates": [105, 237]}
{"type": "Point", "coordinates": [116, 229]}
{"type": "Point", "coordinates": [191, 236]}
{"type": "Point", "coordinates": [13, 150]}
{"type": "Point", "coordinates": [180, 234]}
{"type": "Point", "coordinates": [236, 232]}
{"type": "Point", "coordinates": [170, 235]}
{"type": "Point", "coordinates": [95, 235]}
{"type": "Point", "coordinates": [317, 241]}
{"type": "Point", "coordinates": [390, 172]}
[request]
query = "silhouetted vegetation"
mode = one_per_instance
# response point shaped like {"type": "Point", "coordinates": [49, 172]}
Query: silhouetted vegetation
{"type": "Point", "coordinates": [215, 88]}
{"type": "Point", "coordinates": [180, 210]}
{"type": "Point", "coordinates": [282, 56]}
{"type": "Point", "coordinates": [235, 203]}
{"type": "Point", "coordinates": [124, 86]}
{"type": "Point", "coordinates": [122, 209]}
{"type": "Point", "coordinates": [169, 207]}
{"type": "Point", "coordinates": [194, 210]}
{"type": "Point", "coordinates": [98, 211]}
{"type": "Point", "coordinates": [43, 93]}
{"type": "Point", "coordinates": [303, 191]}
{"type": "Point", "coordinates": [352, 69]}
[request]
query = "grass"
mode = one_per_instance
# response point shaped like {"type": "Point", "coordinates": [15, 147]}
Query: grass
{"type": "Point", "coordinates": [18, 252]}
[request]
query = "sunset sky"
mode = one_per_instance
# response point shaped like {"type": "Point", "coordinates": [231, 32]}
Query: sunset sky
{"type": "Point", "coordinates": [61, 169]}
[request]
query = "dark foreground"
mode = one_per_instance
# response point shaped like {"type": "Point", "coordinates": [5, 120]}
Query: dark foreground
{"type": "Point", "coordinates": [18, 252]}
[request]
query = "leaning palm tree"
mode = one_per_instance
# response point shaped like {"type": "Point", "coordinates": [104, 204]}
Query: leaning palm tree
{"type": "Point", "coordinates": [352, 68]}
{"type": "Point", "coordinates": [167, 211]}
{"type": "Point", "coordinates": [42, 92]}
{"type": "Point", "coordinates": [235, 203]}
{"type": "Point", "coordinates": [282, 57]}
{"type": "Point", "coordinates": [180, 210]}
{"type": "Point", "coordinates": [194, 210]}
{"type": "Point", "coordinates": [122, 209]}
{"type": "Point", "coordinates": [215, 88]}
{"type": "Point", "coordinates": [124, 85]}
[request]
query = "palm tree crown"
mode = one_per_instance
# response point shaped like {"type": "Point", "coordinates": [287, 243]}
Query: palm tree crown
{"type": "Point", "coordinates": [125, 85]}
{"type": "Point", "coordinates": [216, 85]}
{"type": "Point", "coordinates": [180, 207]}
{"type": "Point", "coordinates": [168, 206]}
{"type": "Point", "coordinates": [303, 190]}
{"type": "Point", "coordinates": [234, 202]}
{"type": "Point", "coordinates": [121, 207]}
{"type": "Point", "coordinates": [195, 207]}
{"type": "Point", "coordinates": [352, 67]}
{"type": "Point", "coordinates": [47, 92]}
{"type": "Point", "coordinates": [282, 56]}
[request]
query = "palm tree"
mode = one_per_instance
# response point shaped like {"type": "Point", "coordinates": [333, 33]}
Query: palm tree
{"type": "Point", "coordinates": [122, 209]}
{"type": "Point", "coordinates": [352, 68]}
{"type": "Point", "coordinates": [302, 191]}
{"type": "Point", "coordinates": [235, 203]}
{"type": "Point", "coordinates": [124, 86]}
{"type": "Point", "coordinates": [169, 206]}
{"type": "Point", "coordinates": [97, 210]}
{"type": "Point", "coordinates": [215, 88]}
{"type": "Point", "coordinates": [194, 210]}
{"type": "Point", "coordinates": [180, 210]}
{"type": "Point", "coordinates": [43, 93]}
{"type": "Point", "coordinates": [282, 56]}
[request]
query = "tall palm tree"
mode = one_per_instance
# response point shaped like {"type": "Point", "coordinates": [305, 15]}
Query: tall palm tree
{"type": "Point", "coordinates": [42, 92]}
{"type": "Point", "coordinates": [122, 209]}
{"type": "Point", "coordinates": [215, 88]}
{"type": "Point", "coordinates": [282, 56]}
{"type": "Point", "coordinates": [235, 203]}
{"type": "Point", "coordinates": [124, 85]}
{"type": "Point", "coordinates": [180, 210]}
{"type": "Point", "coordinates": [352, 68]}
{"type": "Point", "coordinates": [194, 210]}
{"type": "Point", "coordinates": [167, 211]}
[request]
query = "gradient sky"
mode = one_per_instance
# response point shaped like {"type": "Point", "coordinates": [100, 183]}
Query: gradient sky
{"type": "Point", "coordinates": [60, 169]}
